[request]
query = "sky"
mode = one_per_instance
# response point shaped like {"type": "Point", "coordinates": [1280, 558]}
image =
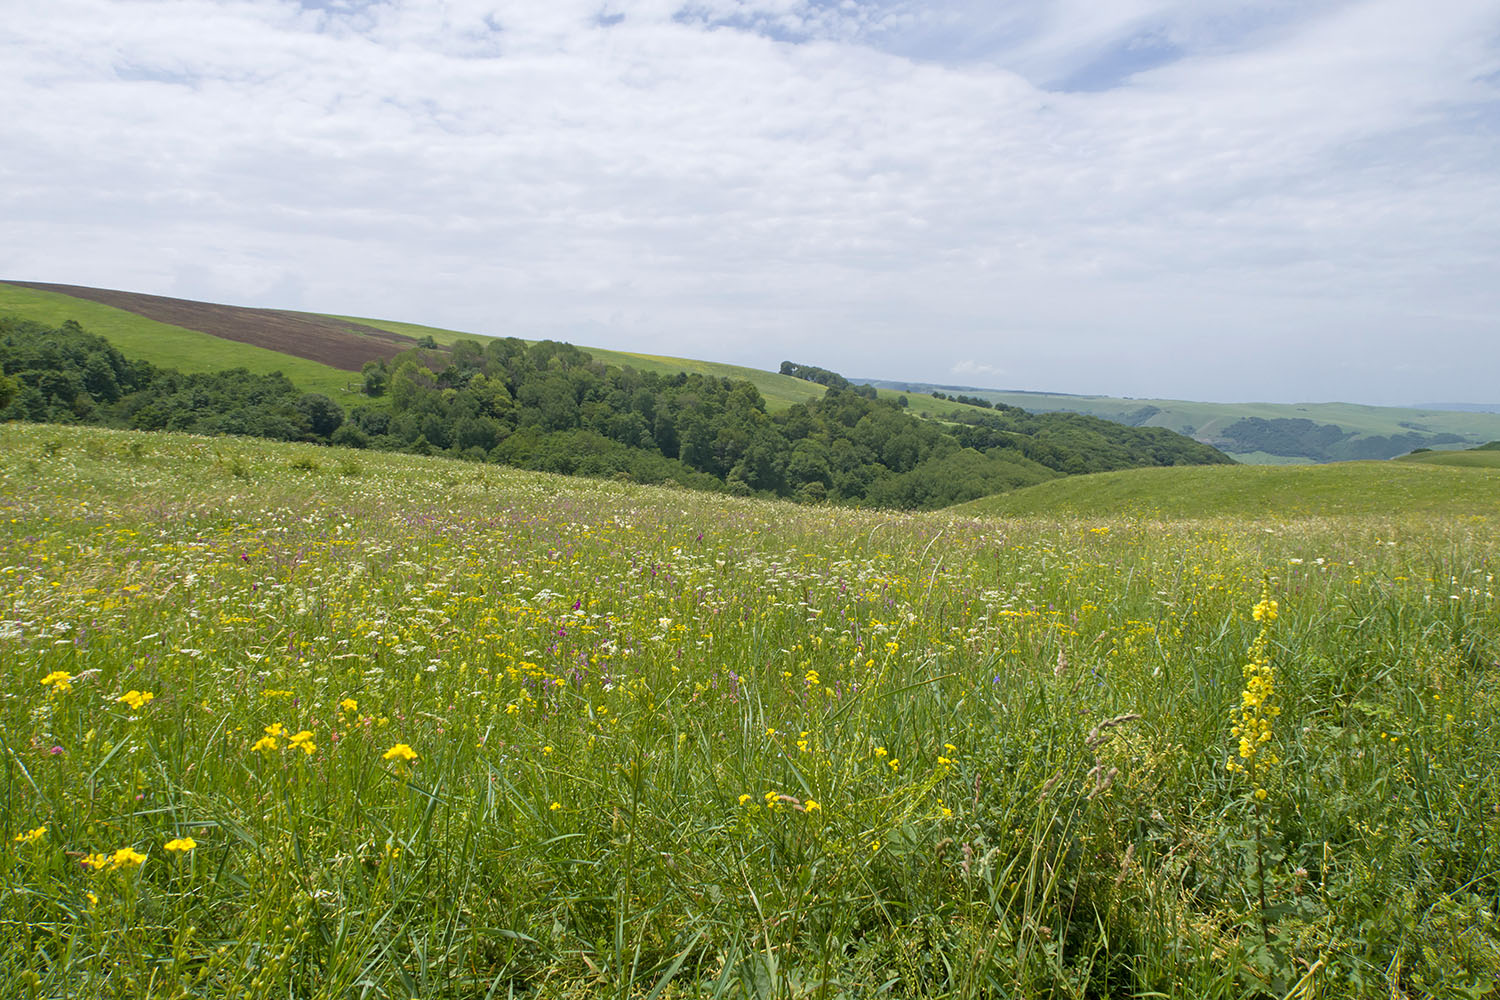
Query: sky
{"type": "Point", "coordinates": [1280, 200]}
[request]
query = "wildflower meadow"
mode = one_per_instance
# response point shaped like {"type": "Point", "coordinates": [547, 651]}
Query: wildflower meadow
{"type": "Point", "coordinates": [288, 721]}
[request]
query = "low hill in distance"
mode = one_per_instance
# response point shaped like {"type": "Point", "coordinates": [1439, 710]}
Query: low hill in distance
{"type": "Point", "coordinates": [1486, 456]}
{"type": "Point", "coordinates": [1277, 493]}
{"type": "Point", "coordinates": [1265, 433]}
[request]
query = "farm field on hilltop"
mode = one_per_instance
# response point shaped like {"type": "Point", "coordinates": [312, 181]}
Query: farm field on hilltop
{"type": "Point", "coordinates": [169, 346]}
{"type": "Point", "coordinates": [282, 720]}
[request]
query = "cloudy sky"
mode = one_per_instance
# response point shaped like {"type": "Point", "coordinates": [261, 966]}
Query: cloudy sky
{"type": "Point", "coordinates": [1281, 199]}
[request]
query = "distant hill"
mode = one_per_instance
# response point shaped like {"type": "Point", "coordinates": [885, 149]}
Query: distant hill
{"type": "Point", "coordinates": [541, 405]}
{"type": "Point", "coordinates": [1274, 493]}
{"type": "Point", "coordinates": [1486, 456]}
{"type": "Point", "coordinates": [1264, 433]}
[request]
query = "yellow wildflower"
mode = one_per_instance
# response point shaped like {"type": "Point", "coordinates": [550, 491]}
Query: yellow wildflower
{"type": "Point", "coordinates": [399, 752]}
{"type": "Point", "coordinates": [302, 741]}
{"type": "Point", "coordinates": [135, 699]}
{"type": "Point", "coordinates": [96, 861]}
{"type": "Point", "coordinates": [811, 806]}
{"type": "Point", "coordinates": [745, 798]}
{"type": "Point", "coordinates": [180, 845]}
{"type": "Point", "coordinates": [126, 857]}
{"type": "Point", "coordinates": [349, 705]}
{"type": "Point", "coordinates": [31, 836]}
{"type": "Point", "coordinates": [60, 681]}
{"type": "Point", "coordinates": [555, 806]}
{"type": "Point", "coordinates": [264, 743]}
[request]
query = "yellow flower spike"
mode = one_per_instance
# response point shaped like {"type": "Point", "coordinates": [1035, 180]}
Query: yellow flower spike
{"type": "Point", "coordinates": [745, 798]}
{"type": "Point", "coordinates": [31, 836]}
{"type": "Point", "coordinates": [399, 752]}
{"type": "Point", "coordinates": [811, 806]}
{"type": "Point", "coordinates": [60, 681]}
{"type": "Point", "coordinates": [264, 743]}
{"type": "Point", "coordinates": [180, 845]}
{"type": "Point", "coordinates": [96, 861]}
{"type": "Point", "coordinates": [349, 705]}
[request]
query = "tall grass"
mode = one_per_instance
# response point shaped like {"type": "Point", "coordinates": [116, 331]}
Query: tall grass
{"type": "Point", "coordinates": [673, 745]}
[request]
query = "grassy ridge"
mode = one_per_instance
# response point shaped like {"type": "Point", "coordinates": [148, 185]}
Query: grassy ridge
{"type": "Point", "coordinates": [780, 391]}
{"type": "Point", "coordinates": [1470, 459]}
{"type": "Point", "coordinates": [1278, 492]}
{"type": "Point", "coordinates": [418, 728]}
{"type": "Point", "coordinates": [1205, 421]}
{"type": "Point", "coordinates": [173, 346]}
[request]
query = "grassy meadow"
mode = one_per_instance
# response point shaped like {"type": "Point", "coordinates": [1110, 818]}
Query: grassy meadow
{"type": "Point", "coordinates": [1472, 458]}
{"type": "Point", "coordinates": [1280, 493]}
{"type": "Point", "coordinates": [287, 721]}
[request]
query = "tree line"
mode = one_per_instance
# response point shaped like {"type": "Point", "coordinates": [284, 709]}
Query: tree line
{"type": "Point", "coordinates": [549, 406]}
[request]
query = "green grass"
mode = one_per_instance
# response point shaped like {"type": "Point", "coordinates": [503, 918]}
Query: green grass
{"type": "Point", "coordinates": [169, 346]}
{"type": "Point", "coordinates": [624, 703]}
{"type": "Point", "coordinates": [1474, 458]}
{"type": "Point", "coordinates": [1286, 492]}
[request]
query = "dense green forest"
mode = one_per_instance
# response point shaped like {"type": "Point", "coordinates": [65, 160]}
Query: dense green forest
{"type": "Point", "coordinates": [1322, 442]}
{"type": "Point", "coordinates": [551, 407]}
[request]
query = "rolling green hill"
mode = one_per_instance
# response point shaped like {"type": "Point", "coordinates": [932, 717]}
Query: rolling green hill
{"type": "Point", "coordinates": [1273, 492]}
{"type": "Point", "coordinates": [779, 391]}
{"type": "Point", "coordinates": [204, 337]}
{"type": "Point", "coordinates": [1486, 456]}
{"type": "Point", "coordinates": [1266, 433]}
{"type": "Point", "coordinates": [171, 346]}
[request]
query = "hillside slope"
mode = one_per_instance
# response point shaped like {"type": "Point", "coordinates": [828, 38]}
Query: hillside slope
{"type": "Point", "coordinates": [1271, 492]}
{"type": "Point", "coordinates": [169, 346]}
{"type": "Point", "coordinates": [1264, 433]}
{"type": "Point", "coordinates": [1486, 456]}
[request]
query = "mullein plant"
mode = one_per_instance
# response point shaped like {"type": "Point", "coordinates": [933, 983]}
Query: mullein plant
{"type": "Point", "coordinates": [1253, 726]}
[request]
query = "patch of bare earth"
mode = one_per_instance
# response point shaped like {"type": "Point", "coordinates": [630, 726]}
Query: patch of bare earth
{"type": "Point", "coordinates": [333, 342]}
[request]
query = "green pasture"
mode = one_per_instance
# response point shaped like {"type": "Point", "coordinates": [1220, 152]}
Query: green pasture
{"type": "Point", "coordinates": [1277, 493]}
{"type": "Point", "coordinates": [288, 721]}
{"type": "Point", "coordinates": [1473, 458]}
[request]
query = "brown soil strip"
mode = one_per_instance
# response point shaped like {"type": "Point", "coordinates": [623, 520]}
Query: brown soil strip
{"type": "Point", "coordinates": [333, 342]}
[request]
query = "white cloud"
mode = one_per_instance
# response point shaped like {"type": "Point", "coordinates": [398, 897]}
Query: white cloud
{"type": "Point", "coordinates": [874, 187]}
{"type": "Point", "coordinates": [970, 368]}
